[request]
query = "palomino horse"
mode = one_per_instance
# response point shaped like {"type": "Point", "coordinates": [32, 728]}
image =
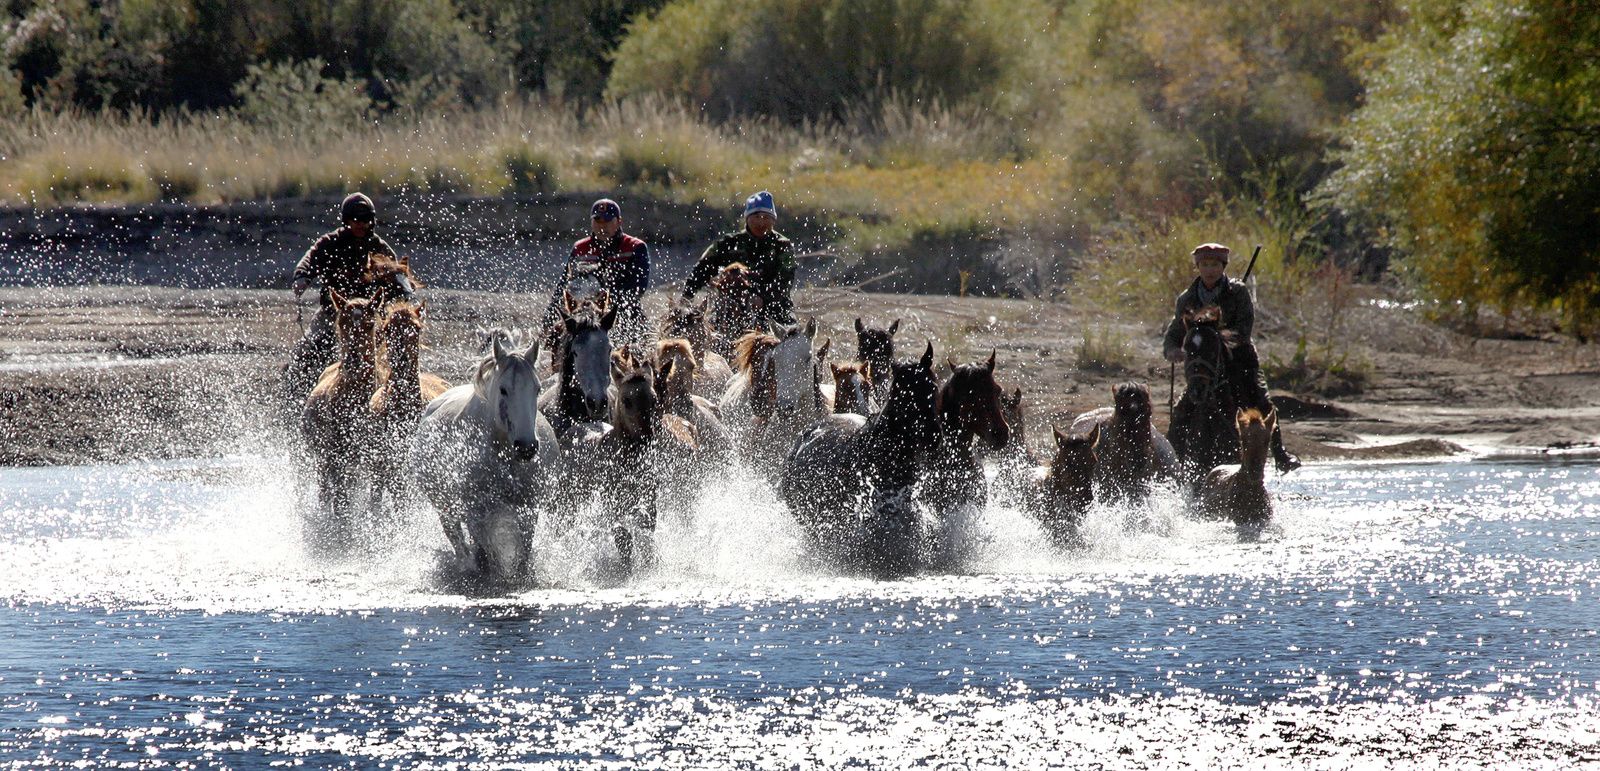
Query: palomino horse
{"type": "Point", "coordinates": [852, 388]}
{"type": "Point", "coordinates": [847, 462]}
{"type": "Point", "coordinates": [336, 424]}
{"type": "Point", "coordinates": [1132, 454]}
{"type": "Point", "coordinates": [1066, 487]}
{"type": "Point", "coordinates": [736, 307]}
{"type": "Point", "coordinates": [776, 392]}
{"type": "Point", "coordinates": [1239, 492]}
{"type": "Point", "coordinates": [582, 360]}
{"type": "Point", "coordinates": [400, 399]}
{"type": "Point", "coordinates": [875, 348]}
{"type": "Point", "coordinates": [675, 382]}
{"type": "Point", "coordinates": [691, 323]}
{"type": "Point", "coordinates": [1202, 431]}
{"type": "Point", "coordinates": [482, 455]}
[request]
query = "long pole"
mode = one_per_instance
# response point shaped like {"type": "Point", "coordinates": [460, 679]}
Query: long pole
{"type": "Point", "coordinates": [1252, 265]}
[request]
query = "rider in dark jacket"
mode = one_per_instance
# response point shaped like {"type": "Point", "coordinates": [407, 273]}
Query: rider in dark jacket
{"type": "Point", "coordinates": [616, 261]}
{"type": "Point", "coordinates": [760, 248]}
{"type": "Point", "coordinates": [337, 260]}
{"type": "Point", "coordinates": [1212, 287]}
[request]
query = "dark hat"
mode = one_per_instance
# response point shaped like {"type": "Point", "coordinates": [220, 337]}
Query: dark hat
{"type": "Point", "coordinates": [357, 208]}
{"type": "Point", "coordinates": [605, 209]}
{"type": "Point", "coordinates": [1215, 250]}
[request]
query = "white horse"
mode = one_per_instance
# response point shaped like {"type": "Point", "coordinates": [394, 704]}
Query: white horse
{"type": "Point", "coordinates": [776, 393]}
{"type": "Point", "coordinates": [481, 455]}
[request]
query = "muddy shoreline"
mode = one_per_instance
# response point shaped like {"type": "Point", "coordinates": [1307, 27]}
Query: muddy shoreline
{"type": "Point", "coordinates": [104, 374]}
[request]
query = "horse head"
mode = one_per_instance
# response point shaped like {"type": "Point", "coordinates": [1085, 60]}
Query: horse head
{"type": "Point", "coordinates": [796, 368]}
{"type": "Point", "coordinates": [633, 382]}
{"type": "Point", "coordinates": [355, 324]}
{"type": "Point", "coordinates": [390, 277]}
{"type": "Point", "coordinates": [584, 351]}
{"type": "Point", "coordinates": [1131, 404]}
{"type": "Point", "coordinates": [876, 346]}
{"type": "Point", "coordinates": [689, 322]}
{"type": "Point", "coordinates": [1204, 338]}
{"type": "Point", "coordinates": [507, 382]}
{"type": "Point", "coordinates": [401, 332]}
{"type": "Point", "coordinates": [852, 387]}
{"type": "Point", "coordinates": [1075, 455]}
{"type": "Point", "coordinates": [1255, 435]}
{"type": "Point", "coordinates": [969, 403]}
{"type": "Point", "coordinates": [914, 394]}
{"type": "Point", "coordinates": [1011, 410]}
{"type": "Point", "coordinates": [677, 365]}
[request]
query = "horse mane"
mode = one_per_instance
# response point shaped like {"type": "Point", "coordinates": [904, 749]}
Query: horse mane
{"type": "Point", "coordinates": [380, 265]}
{"type": "Point", "coordinates": [750, 348]}
{"type": "Point", "coordinates": [489, 337]}
{"type": "Point", "coordinates": [402, 313]}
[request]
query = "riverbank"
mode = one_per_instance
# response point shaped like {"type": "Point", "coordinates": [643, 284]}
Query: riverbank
{"type": "Point", "coordinates": [113, 373]}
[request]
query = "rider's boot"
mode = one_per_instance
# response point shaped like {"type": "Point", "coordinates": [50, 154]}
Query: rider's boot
{"type": "Point", "coordinates": [1282, 458]}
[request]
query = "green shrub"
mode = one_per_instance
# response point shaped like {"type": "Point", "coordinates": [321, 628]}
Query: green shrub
{"type": "Point", "coordinates": [531, 170]}
{"type": "Point", "coordinates": [1328, 370]}
{"type": "Point", "coordinates": [176, 181]}
{"type": "Point", "coordinates": [1104, 349]}
{"type": "Point", "coordinates": [286, 96]}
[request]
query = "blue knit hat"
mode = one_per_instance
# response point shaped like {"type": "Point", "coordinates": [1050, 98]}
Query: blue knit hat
{"type": "Point", "coordinates": [761, 201]}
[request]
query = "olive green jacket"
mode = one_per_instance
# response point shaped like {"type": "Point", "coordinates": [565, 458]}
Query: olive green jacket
{"type": "Point", "coordinates": [771, 257]}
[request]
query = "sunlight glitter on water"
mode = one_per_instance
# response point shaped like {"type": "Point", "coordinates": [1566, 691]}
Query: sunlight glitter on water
{"type": "Point", "coordinates": [169, 612]}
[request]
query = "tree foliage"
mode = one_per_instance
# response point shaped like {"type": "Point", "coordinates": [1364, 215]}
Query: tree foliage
{"type": "Point", "coordinates": [1478, 153]}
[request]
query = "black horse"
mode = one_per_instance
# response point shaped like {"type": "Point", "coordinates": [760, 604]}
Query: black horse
{"type": "Point", "coordinates": [1203, 431]}
{"type": "Point", "coordinates": [845, 463]}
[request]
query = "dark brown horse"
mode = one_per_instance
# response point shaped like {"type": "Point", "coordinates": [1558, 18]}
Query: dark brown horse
{"type": "Point", "coordinates": [875, 348]}
{"type": "Point", "coordinates": [851, 480]}
{"type": "Point", "coordinates": [969, 413]}
{"type": "Point", "coordinates": [1202, 431]}
{"type": "Point", "coordinates": [1066, 490]}
{"type": "Point", "coordinates": [1239, 492]}
{"type": "Point", "coordinates": [1133, 456]}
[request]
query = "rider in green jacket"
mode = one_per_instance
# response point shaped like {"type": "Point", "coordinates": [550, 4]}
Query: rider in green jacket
{"type": "Point", "coordinates": [760, 248]}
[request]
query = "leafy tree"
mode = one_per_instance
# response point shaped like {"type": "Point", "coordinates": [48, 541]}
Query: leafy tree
{"type": "Point", "coordinates": [1477, 154]}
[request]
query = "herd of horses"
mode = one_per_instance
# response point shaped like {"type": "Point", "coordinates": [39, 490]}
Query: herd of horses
{"type": "Point", "coordinates": [880, 460]}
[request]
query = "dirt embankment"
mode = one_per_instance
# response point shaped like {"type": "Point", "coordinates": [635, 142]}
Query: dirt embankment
{"type": "Point", "coordinates": [94, 374]}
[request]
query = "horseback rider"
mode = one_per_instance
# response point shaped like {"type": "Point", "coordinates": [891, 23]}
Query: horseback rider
{"type": "Point", "coordinates": [1213, 287]}
{"type": "Point", "coordinates": [617, 262]}
{"type": "Point", "coordinates": [338, 261]}
{"type": "Point", "coordinates": [762, 249]}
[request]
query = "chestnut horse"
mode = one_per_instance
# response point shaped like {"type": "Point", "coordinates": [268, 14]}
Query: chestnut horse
{"type": "Point", "coordinates": [677, 368]}
{"type": "Point", "coordinates": [852, 388]}
{"type": "Point", "coordinates": [776, 392]}
{"type": "Point", "coordinates": [403, 393]}
{"type": "Point", "coordinates": [736, 307]}
{"type": "Point", "coordinates": [336, 423]}
{"type": "Point", "coordinates": [1239, 492]}
{"type": "Point", "coordinates": [692, 323]}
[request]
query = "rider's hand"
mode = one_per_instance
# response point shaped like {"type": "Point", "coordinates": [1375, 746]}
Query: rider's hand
{"type": "Point", "coordinates": [1174, 355]}
{"type": "Point", "coordinates": [300, 286]}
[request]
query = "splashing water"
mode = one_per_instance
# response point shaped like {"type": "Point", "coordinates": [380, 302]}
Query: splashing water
{"type": "Point", "coordinates": [1416, 614]}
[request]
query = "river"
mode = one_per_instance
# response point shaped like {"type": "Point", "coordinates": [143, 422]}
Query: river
{"type": "Point", "coordinates": [1418, 615]}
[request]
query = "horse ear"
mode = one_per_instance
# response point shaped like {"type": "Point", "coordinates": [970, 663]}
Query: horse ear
{"type": "Point", "coordinates": [811, 328]}
{"type": "Point", "coordinates": [1094, 436]}
{"type": "Point", "coordinates": [1061, 437]}
{"type": "Point", "coordinates": [499, 351]}
{"type": "Point", "coordinates": [894, 327]}
{"type": "Point", "coordinates": [1016, 397]}
{"type": "Point", "coordinates": [822, 353]}
{"type": "Point", "coordinates": [860, 327]}
{"type": "Point", "coordinates": [951, 363]}
{"type": "Point", "coordinates": [927, 357]}
{"type": "Point", "coordinates": [338, 299]}
{"type": "Point", "coordinates": [990, 363]}
{"type": "Point", "coordinates": [834, 368]}
{"type": "Point", "coordinates": [610, 318]}
{"type": "Point", "coordinates": [532, 354]}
